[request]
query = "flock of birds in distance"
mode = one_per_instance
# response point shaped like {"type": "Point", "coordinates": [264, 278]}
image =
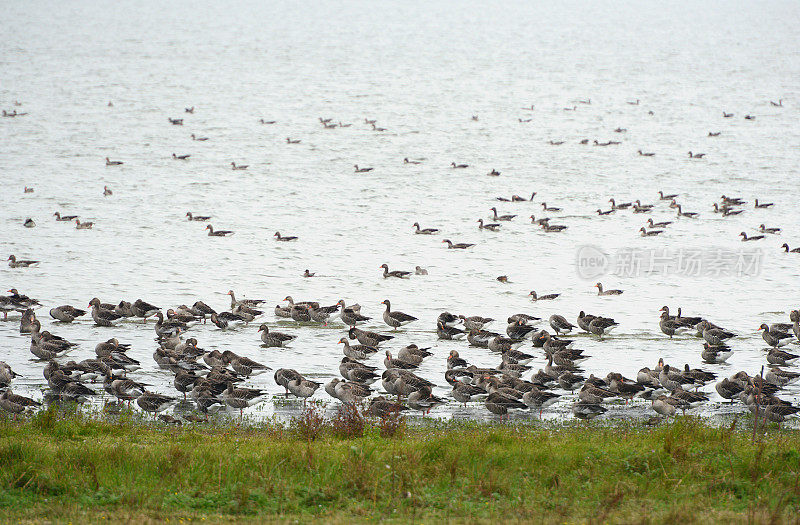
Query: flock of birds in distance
{"type": "Point", "coordinates": [210, 381]}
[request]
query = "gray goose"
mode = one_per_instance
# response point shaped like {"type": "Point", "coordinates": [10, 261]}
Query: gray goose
{"type": "Point", "coordinates": [399, 274]}
{"type": "Point", "coordinates": [688, 214]}
{"type": "Point", "coordinates": [621, 206]}
{"type": "Point", "coordinates": [101, 316]}
{"type": "Point", "coordinates": [217, 233]}
{"type": "Point", "coordinates": [448, 332]}
{"type": "Point", "coordinates": [64, 218]}
{"type": "Point", "coordinates": [424, 231]}
{"type": "Point", "coordinates": [464, 393]}
{"type": "Point", "coordinates": [143, 309]}
{"type": "Point", "coordinates": [26, 321]}
{"type": "Point", "coordinates": [241, 398]}
{"type": "Point", "coordinates": [234, 166]}
{"type": "Point", "coordinates": [745, 238]}
{"type": "Point", "coordinates": [197, 217]}
{"type": "Point", "coordinates": [662, 224]}
{"type": "Point", "coordinates": [357, 351]}
{"type": "Point", "coordinates": [152, 402]}
{"type": "Point", "coordinates": [600, 290]}
{"type": "Point", "coordinates": [83, 225]}
{"type": "Point", "coordinates": [775, 338]}
{"type": "Point", "coordinates": [669, 326]}
{"type": "Point", "coordinates": [413, 354]}
{"type": "Point", "coordinates": [475, 322]}
{"type": "Point", "coordinates": [351, 316]}
{"type": "Point", "coordinates": [787, 250]}
{"type": "Point", "coordinates": [714, 336]}
{"type": "Point", "coordinates": [358, 372]}
{"type": "Point", "coordinates": [669, 197]}
{"type": "Point", "coordinates": [383, 408]}
{"type": "Point", "coordinates": [457, 246]}
{"type": "Point", "coordinates": [244, 366]}
{"type": "Point", "coordinates": [282, 377]}
{"type": "Point", "coordinates": [321, 314]}
{"type": "Point", "coordinates": [395, 319]}
{"type": "Point", "coordinates": [547, 297]}
{"type": "Point", "coordinates": [781, 358]}
{"type": "Point", "coordinates": [302, 387]}
{"type": "Point", "coordinates": [763, 205]}
{"type": "Point", "coordinates": [584, 410]}
{"type": "Point", "coordinates": [497, 217]}
{"type": "Point", "coordinates": [368, 338]}
{"type": "Point", "coordinates": [287, 238]}
{"type": "Point", "coordinates": [491, 226]}
{"type": "Point", "coordinates": [650, 233]}
{"type": "Point", "coordinates": [499, 403]}
{"type": "Point", "coordinates": [455, 361]}
{"type": "Point", "coordinates": [560, 324]}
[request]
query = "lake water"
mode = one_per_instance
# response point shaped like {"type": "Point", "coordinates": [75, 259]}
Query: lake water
{"type": "Point", "coordinates": [422, 70]}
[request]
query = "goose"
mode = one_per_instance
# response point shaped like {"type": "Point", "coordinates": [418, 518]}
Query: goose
{"type": "Point", "coordinates": [601, 212]}
{"type": "Point", "coordinates": [497, 217]}
{"type": "Point", "coordinates": [458, 166]}
{"type": "Point", "coordinates": [524, 120]}
{"type": "Point", "coordinates": [66, 313]}
{"type": "Point", "coordinates": [197, 217]}
{"type": "Point", "coordinates": [180, 157]}
{"type": "Point", "coordinates": [234, 166]}
{"type": "Point", "coordinates": [669, 326]}
{"type": "Point", "coordinates": [262, 121]}
{"type": "Point", "coordinates": [107, 192]}
{"type": "Point", "coordinates": [778, 104]}
{"type": "Point", "coordinates": [395, 319]}
{"type": "Point", "coordinates": [175, 121]}
{"type": "Point", "coordinates": [292, 141]}
{"type": "Point", "coordinates": [27, 190]}
{"type": "Point", "coordinates": [573, 108]}
{"type": "Point", "coordinates": [457, 246]}
{"type": "Point", "coordinates": [83, 225]}
{"type": "Point", "coordinates": [749, 117]}
{"type": "Point", "coordinates": [491, 226]}
{"type": "Point", "coordinates": [377, 128]}
{"type": "Point", "coordinates": [549, 228]}
{"type": "Point", "coordinates": [13, 262]}
{"type": "Point", "coordinates": [449, 332]}
{"type": "Point", "coordinates": [745, 238]}
{"type": "Point", "coordinates": [358, 351]}
{"type": "Point", "coordinates": [775, 338]}
{"type": "Point", "coordinates": [663, 224]}
{"type": "Point", "coordinates": [547, 297]}
{"type": "Point", "coordinates": [29, 223]}
{"type": "Point", "coordinates": [609, 143]}
{"type": "Point", "coordinates": [651, 233]}
{"type": "Point", "coordinates": [499, 403]}
{"type": "Point", "coordinates": [781, 358]}
{"type": "Point", "coordinates": [689, 214]}
{"type": "Point", "coordinates": [714, 134]}
{"type": "Point", "coordinates": [560, 324]}
{"type": "Point", "coordinates": [727, 115]}
{"type": "Point", "coordinates": [646, 154]}
{"type": "Point", "coordinates": [545, 207]}
{"type": "Point", "coordinates": [362, 170]}
{"type": "Point", "coordinates": [351, 316]}
{"type": "Point", "coordinates": [787, 250]}
{"type": "Point", "coordinates": [189, 110]}
{"type": "Point", "coordinates": [218, 233]}
{"type": "Point", "coordinates": [584, 410]}
{"type": "Point", "coordinates": [308, 273]}
{"type": "Point", "coordinates": [714, 336]}
{"type": "Point", "coordinates": [288, 238]}
{"type": "Point", "coordinates": [764, 229]}
{"type": "Point", "coordinates": [110, 162]}
{"type": "Point", "coordinates": [763, 204]}
{"type": "Point", "coordinates": [621, 206]}
{"type": "Point", "coordinates": [64, 218]}
{"type": "Point", "coordinates": [199, 139]}
{"type": "Point", "coordinates": [600, 290]}
{"type": "Point", "coordinates": [715, 354]}
{"type": "Point", "coordinates": [556, 142]}
{"type": "Point", "coordinates": [493, 173]}
{"type": "Point", "coordinates": [244, 366]}
{"type": "Point", "coordinates": [368, 338]}
{"type": "Point", "coordinates": [419, 270]}
{"type": "Point", "coordinates": [241, 398]}
{"type": "Point", "coordinates": [634, 103]}
{"type": "Point", "coordinates": [517, 198]}
{"type": "Point", "coordinates": [696, 155]}
{"type": "Point", "coordinates": [274, 339]}
{"type": "Point", "coordinates": [407, 161]}
{"type": "Point", "coordinates": [424, 231]}
{"type": "Point", "coordinates": [400, 274]}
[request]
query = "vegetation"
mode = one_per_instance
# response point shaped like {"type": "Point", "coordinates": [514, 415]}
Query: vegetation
{"type": "Point", "coordinates": [74, 467]}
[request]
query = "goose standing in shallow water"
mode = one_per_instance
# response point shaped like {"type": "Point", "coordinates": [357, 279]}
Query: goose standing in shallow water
{"type": "Point", "coordinates": [395, 319]}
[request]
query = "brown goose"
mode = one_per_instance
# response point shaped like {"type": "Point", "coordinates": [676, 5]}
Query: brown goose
{"type": "Point", "coordinates": [491, 226]}
{"type": "Point", "coordinates": [359, 351]}
{"type": "Point", "coordinates": [368, 338]}
{"type": "Point", "coordinates": [497, 217]}
{"type": "Point", "coordinates": [83, 225]}
{"type": "Point", "coordinates": [600, 290]}
{"type": "Point", "coordinates": [288, 238]}
{"type": "Point", "coordinates": [763, 205]}
{"type": "Point", "coordinates": [234, 166]}
{"type": "Point", "coordinates": [64, 218]}
{"type": "Point", "coordinates": [351, 316]}
{"type": "Point", "coordinates": [689, 214]}
{"type": "Point", "coordinates": [66, 313]}
{"type": "Point", "coordinates": [787, 250]}
{"type": "Point", "coordinates": [113, 162]}
{"type": "Point", "coordinates": [395, 319]}
{"type": "Point", "coordinates": [274, 339]}
{"type": "Point", "coordinates": [197, 217]}
{"type": "Point", "coordinates": [545, 207]}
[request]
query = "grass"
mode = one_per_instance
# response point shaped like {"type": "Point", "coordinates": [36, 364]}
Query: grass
{"type": "Point", "coordinates": [65, 467]}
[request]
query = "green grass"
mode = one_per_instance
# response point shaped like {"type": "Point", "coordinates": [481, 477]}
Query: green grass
{"type": "Point", "coordinates": [71, 467]}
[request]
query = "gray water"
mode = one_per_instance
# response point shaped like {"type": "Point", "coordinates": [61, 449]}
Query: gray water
{"type": "Point", "coordinates": [422, 70]}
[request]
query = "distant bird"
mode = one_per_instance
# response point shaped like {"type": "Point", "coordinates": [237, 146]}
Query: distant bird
{"type": "Point", "coordinates": [189, 110]}
{"type": "Point", "coordinates": [458, 166]}
{"type": "Point", "coordinates": [261, 120]}
{"type": "Point", "coordinates": [279, 237]}
{"type": "Point", "coordinates": [745, 238]}
{"type": "Point", "coordinates": [308, 274]}
{"type": "Point", "coordinates": [27, 190]}
{"type": "Point", "coordinates": [113, 162]}
{"type": "Point", "coordinates": [646, 154]}
{"type": "Point", "coordinates": [197, 217]}
{"type": "Point", "coordinates": [362, 170]}
{"type": "Point", "coordinates": [696, 155]}
{"type": "Point", "coordinates": [83, 225]}
{"type": "Point", "coordinates": [239, 167]}
{"type": "Point", "coordinates": [787, 250]}
{"type": "Point", "coordinates": [406, 161]}
{"type": "Point", "coordinates": [714, 134]}
{"type": "Point", "coordinates": [727, 115]}
{"type": "Point", "coordinates": [175, 121]}
{"type": "Point", "coordinates": [778, 104]}
{"type": "Point", "coordinates": [180, 157]}
{"type": "Point", "coordinates": [199, 139]}
{"type": "Point", "coordinates": [548, 297]}
{"type": "Point", "coordinates": [107, 191]}
{"type": "Point", "coordinates": [763, 204]}
{"type": "Point", "coordinates": [493, 173]}
{"type": "Point", "coordinates": [601, 291]}
{"type": "Point", "coordinates": [292, 141]}
{"type": "Point", "coordinates": [217, 233]}
{"type": "Point", "coordinates": [13, 262]}
{"type": "Point", "coordinates": [457, 246]}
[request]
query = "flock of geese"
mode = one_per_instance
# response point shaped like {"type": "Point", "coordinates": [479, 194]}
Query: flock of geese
{"type": "Point", "coordinates": [207, 382]}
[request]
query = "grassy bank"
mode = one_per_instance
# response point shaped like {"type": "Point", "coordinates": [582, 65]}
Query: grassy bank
{"type": "Point", "coordinates": [74, 468]}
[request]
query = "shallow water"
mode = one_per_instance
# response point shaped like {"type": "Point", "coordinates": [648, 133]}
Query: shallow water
{"type": "Point", "coordinates": [422, 71]}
